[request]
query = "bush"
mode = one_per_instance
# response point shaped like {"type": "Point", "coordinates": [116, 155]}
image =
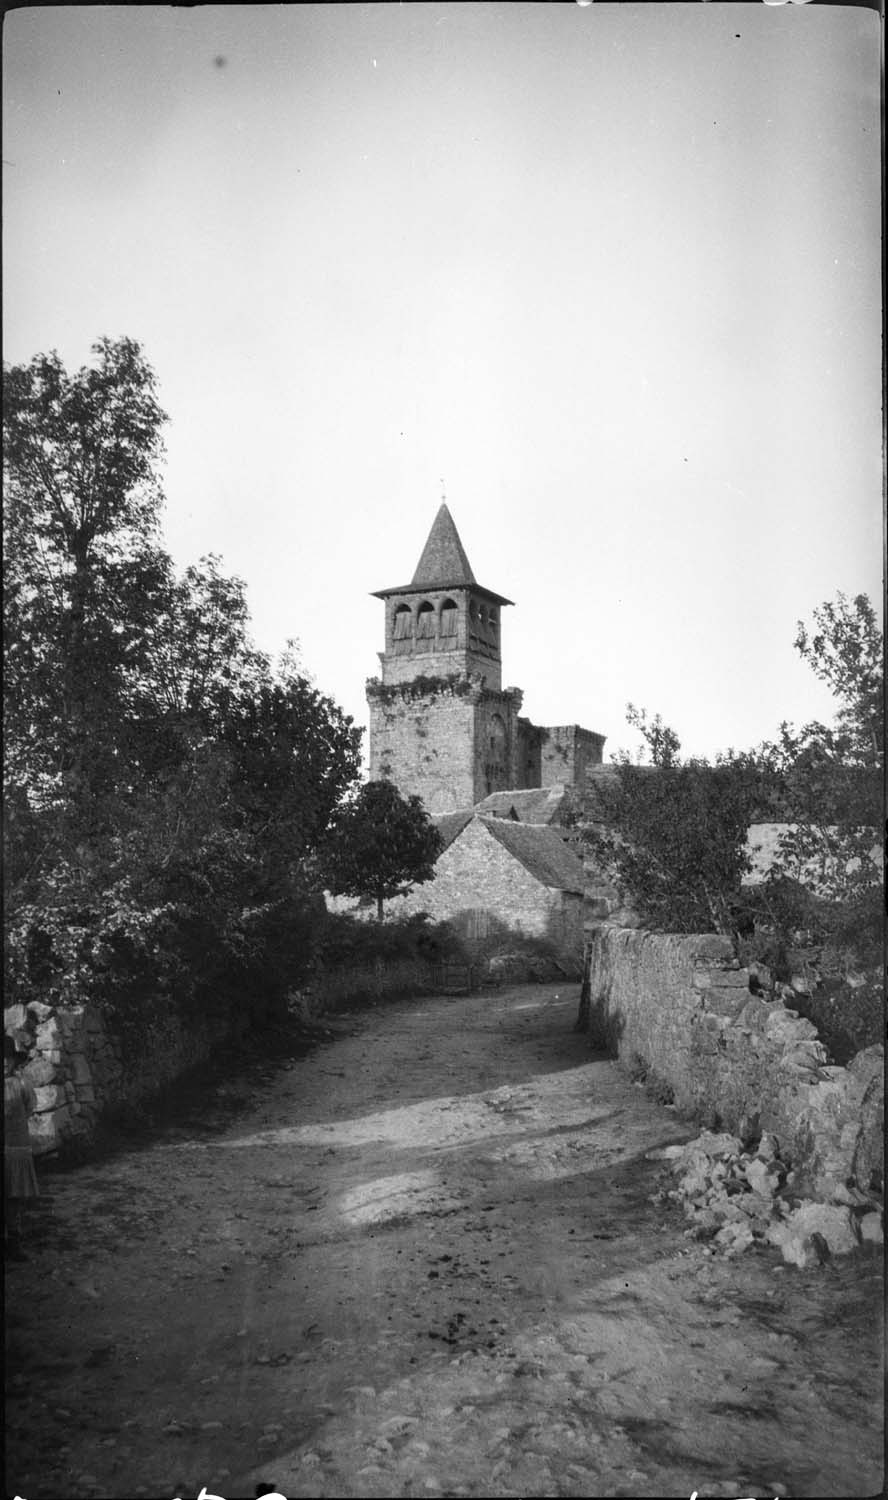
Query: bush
{"type": "Point", "coordinates": [343, 941]}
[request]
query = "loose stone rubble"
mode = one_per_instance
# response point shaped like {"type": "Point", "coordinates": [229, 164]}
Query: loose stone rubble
{"type": "Point", "coordinates": [737, 1196]}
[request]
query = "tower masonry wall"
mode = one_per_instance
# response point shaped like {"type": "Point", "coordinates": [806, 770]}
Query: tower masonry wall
{"type": "Point", "coordinates": [449, 743]}
{"type": "Point", "coordinates": [567, 752]}
{"type": "Point", "coordinates": [438, 633]}
{"type": "Point", "coordinates": [437, 662]}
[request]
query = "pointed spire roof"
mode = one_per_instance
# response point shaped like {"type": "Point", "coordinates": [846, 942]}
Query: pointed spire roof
{"type": "Point", "coordinates": [443, 564]}
{"type": "Point", "coordinates": [443, 556]}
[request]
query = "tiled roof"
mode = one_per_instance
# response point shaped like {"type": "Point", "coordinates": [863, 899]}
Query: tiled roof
{"type": "Point", "coordinates": [450, 825]}
{"type": "Point", "coordinates": [530, 805]}
{"type": "Point", "coordinates": [541, 850]}
{"type": "Point", "coordinates": [443, 556]}
{"type": "Point", "coordinates": [443, 565]}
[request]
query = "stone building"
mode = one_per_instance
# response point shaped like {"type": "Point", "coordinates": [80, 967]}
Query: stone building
{"type": "Point", "coordinates": [442, 726]}
{"type": "Point", "coordinates": [497, 879]}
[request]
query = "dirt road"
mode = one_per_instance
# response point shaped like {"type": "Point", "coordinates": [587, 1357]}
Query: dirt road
{"type": "Point", "coordinates": [424, 1260]}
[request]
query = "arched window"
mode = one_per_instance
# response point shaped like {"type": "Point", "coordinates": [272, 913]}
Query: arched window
{"type": "Point", "coordinates": [497, 732]}
{"type": "Point", "coordinates": [493, 624]}
{"type": "Point", "coordinates": [449, 613]}
{"type": "Point", "coordinates": [403, 622]}
{"type": "Point", "coordinates": [425, 622]}
{"type": "Point", "coordinates": [474, 626]}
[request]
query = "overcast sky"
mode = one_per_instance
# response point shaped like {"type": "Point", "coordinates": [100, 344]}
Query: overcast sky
{"type": "Point", "coordinates": [608, 276]}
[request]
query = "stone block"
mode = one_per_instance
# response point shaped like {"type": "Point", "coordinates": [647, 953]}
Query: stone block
{"type": "Point", "coordinates": [86, 1093]}
{"type": "Point", "coordinates": [808, 1054]}
{"type": "Point", "coordinates": [866, 1065]}
{"type": "Point", "coordinates": [721, 1144]}
{"type": "Point", "coordinates": [725, 1002]}
{"type": "Point", "coordinates": [39, 1071]}
{"type": "Point", "coordinates": [50, 1097]}
{"type": "Point", "coordinates": [711, 946]}
{"type": "Point", "coordinates": [47, 1131]}
{"type": "Point", "coordinates": [38, 1010]}
{"type": "Point", "coordinates": [736, 979]}
{"type": "Point", "coordinates": [733, 1238]}
{"type": "Point", "coordinates": [784, 1025]}
{"type": "Point", "coordinates": [49, 1034]}
{"type": "Point", "coordinates": [832, 1220]}
{"type": "Point", "coordinates": [80, 1068]}
{"type": "Point", "coordinates": [755, 1014]}
{"type": "Point", "coordinates": [15, 1018]}
{"type": "Point", "coordinates": [868, 1167]}
{"type": "Point", "coordinates": [870, 1226]}
{"type": "Point", "coordinates": [761, 1177]}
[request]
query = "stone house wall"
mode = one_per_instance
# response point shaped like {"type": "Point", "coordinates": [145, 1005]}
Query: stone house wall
{"type": "Point", "coordinates": [683, 1012]}
{"type": "Point", "coordinates": [514, 901]}
{"type": "Point", "coordinates": [80, 1071]}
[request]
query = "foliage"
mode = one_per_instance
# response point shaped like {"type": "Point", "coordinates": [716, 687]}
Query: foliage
{"type": "Point", "coordinates": [166, 786]}
{"type": "Point", "coordinates": [677, 841]}
{"type": "Point", "coordinates": [848, 1018]}
{"type": "Point", "coordinates": [674, 833]}
{"type": "Point", "coordinates": [831, 789]}
{"type": "Point", "coordinates": [380, 844]}
{"type": "Point", "coordinates": [662, 742]}
{"type": "Point", "coordinates": [82, 561]}
{"type": "Point", "coordinates": [845, 651]}
{"type": "Point", "coordinates": [344, 940]}
{"type": "Point", "coordinates": [458, 684]}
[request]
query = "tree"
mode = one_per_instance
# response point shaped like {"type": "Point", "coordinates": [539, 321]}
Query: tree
{"type": "Point", "coordinates": [675, 833]}
{"type": "Point", "coordinates": [845, 651]}
{"type": "Point", "coordinates": [381, 845]}
{"type": "Point", "coordinates": [166, 786]}
{"type": "Point", "coordinates": [831, 780]}
{"type": "Point", "coordinates": [82, 561]}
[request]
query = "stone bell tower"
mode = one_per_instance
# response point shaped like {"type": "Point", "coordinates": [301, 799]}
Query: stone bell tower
{"type": "Point", "coordinates": [441, 725]}
{"type": "Point", "coordinates": [442, 623]}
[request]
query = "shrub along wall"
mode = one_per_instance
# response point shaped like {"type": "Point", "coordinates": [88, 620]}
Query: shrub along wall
{"type": "Point", "coordinates": [80, 1069]}
{"type": "Point", "coordinates": [683, 1013]}
{"type": "Point", "coordinates": [333, 987]}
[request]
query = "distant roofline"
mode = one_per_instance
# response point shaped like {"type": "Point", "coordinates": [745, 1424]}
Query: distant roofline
{"type": "Point", "coordinates": [434, 588]}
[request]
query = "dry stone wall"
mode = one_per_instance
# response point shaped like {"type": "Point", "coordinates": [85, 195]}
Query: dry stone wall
{"type": "Point", "coordinates": [681, 1011]}
{"type": "Point", "coordinates": [81, 1071]}
{"type": "Point", "coordinates": [331, 988]}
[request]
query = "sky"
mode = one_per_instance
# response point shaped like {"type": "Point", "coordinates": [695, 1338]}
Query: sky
{"type": "Point", "coordinates": [605, 276]}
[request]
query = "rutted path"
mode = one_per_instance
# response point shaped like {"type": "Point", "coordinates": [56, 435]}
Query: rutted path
{"type": "Point", "coordinates": [424, 1260]}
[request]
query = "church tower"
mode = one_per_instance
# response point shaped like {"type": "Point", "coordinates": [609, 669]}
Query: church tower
{"type": "Point", "coordinates": [441, 725]}
{"type": "Point", "coordinates": [442, 623]}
